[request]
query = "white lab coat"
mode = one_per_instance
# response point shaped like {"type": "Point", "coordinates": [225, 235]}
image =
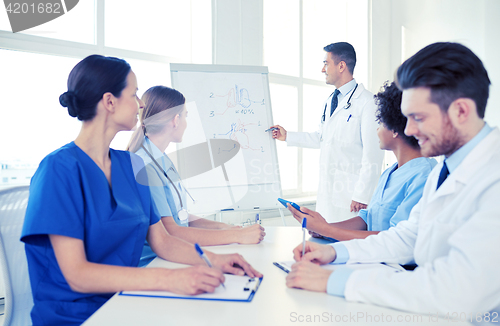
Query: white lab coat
{"type": "Point", "coordinates": [457, 248]}
{"type": "Point", "coordinates": [350, 157]}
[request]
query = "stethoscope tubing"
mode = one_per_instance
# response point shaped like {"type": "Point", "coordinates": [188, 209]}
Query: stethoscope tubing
{"type": "Point", "coordinates": [166, 175]}
{"type": "Point", "coordinates": [347, 106]}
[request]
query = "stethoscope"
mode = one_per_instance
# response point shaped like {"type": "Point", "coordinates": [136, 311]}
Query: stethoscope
{"type": "Point", "coordinates": [347, 106]}
{"type": "Point", "coordinates": [181, 213]}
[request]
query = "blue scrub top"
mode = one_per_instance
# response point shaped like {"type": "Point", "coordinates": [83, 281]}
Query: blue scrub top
{"type": "Point", "coordinates": [70, 196]}
{"type": "Point", "coordinates": [162, 191]}
{"type": "Point", "coordinates": [398, 190]}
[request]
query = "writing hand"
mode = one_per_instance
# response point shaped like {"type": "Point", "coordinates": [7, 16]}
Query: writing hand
{"type": "Point", "coordinates": [233, 264]}
{"type": "Point", "coordinates": [315, 252]}
{"type": "Point", "coordinates": [308, 276]}
{"type": "Point", "coordinates": [251, 234]}
{"type": "Point", "coordinates": [280, 133]}
{"type": "Point", "coordinates": [193, 280]}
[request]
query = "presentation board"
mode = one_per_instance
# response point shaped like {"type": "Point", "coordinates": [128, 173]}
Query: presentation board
{"type": "Point", "coordinates": [229, 109]}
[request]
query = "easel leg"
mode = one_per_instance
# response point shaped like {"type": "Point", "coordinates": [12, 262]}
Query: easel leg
{"type": "Point", "coordinates": [282, 216]}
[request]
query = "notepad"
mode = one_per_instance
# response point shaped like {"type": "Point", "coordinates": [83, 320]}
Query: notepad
{"type": "Point", "coordinates": [238, 288]}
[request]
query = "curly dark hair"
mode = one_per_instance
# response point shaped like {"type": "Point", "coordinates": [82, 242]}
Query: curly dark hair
{"type": "Point", "coordinates": [389, 113]}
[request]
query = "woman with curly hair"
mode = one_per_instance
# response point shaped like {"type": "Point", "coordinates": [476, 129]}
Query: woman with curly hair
{"type": "Point", "coordinates": [399, 188]}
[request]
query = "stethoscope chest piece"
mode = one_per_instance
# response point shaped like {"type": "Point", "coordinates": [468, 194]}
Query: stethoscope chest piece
{"type": "Point", "coordinates": [183, 214]}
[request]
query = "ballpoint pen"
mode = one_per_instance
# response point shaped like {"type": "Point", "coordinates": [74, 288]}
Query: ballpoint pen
{"type": "Point", "coordinates": [304, 226]}
{"type": "Point", "coordinates": [205, 258]}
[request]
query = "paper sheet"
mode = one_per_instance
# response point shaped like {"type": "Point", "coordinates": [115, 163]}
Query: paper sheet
{"type": "Point", "coordinates": [234, 291]}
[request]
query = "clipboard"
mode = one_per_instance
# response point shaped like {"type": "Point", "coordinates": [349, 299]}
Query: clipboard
{"type": "Point", "coordinates": [238, 289]}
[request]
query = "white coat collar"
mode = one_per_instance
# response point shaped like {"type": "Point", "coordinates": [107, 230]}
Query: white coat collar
{"type": "Point", "coordinates": [356, 95]}
{"type": "Point", "coordinates": [474, 161]}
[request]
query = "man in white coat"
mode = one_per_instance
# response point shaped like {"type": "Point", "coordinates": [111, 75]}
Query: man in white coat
{"type": "Point", "coordinates": [350, 157]}
{"type": "Point", "coordinates": [452, 234]}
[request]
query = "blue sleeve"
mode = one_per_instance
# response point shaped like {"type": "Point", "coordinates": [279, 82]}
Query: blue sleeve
{"type": "Point", "coordinates": [159, 192]}
{"type": "Point", "coordinates": [142, 175]}
{"type": "Point", "coordinates": [342, 253]}
{"type": "Point", "coordinates": [154, 214]}
{"type": "Point", "coordinates": [55, 204]}
{"type": "Point", "coordinates": [412, 196]}
{"type": "Point", "coordinates": [363, 213]}
{"type": "Point", "coordinates": [159, 197]}
{"type": "Point", "coordinates": [337, 280]}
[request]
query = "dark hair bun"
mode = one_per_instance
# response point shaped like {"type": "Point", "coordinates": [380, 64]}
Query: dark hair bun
{"type": "Point", "coordinates": [68, 100]}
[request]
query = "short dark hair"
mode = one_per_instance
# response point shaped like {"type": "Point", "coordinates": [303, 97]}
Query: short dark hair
{"type": "Point", "coordinates": [343, 51]}
{"type": "Point", "coordinates": [89, 80]}
{"type": "Point", "coordinates": [451, 71]}
{"type": "Point", "coordinates": [389, 113]}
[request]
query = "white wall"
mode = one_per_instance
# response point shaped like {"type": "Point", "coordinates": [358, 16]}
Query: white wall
{"type": "Point", "coordinates": [491, 58]}
{"type": "Point", "coordinates": [401, 28]}
{"type": "Point", "coordinates": [381, 61]}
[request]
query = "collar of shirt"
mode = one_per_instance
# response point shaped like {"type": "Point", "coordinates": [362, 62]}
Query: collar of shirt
{"type": "Point", "coordinates": [456, 158]}
{"type": "Point", "coordinates": [157, 154]}
{"type": "Point", "coordinates": [346, 89]}
{"type": "Point", "coordinates": [151, 147]}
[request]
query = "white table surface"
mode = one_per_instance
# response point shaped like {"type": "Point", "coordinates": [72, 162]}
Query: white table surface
{"type": "Point", "coordinates": [273, 304]}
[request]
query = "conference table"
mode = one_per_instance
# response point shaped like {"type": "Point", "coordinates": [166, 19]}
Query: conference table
{"type": "Point", "coordinates": [273, 303]}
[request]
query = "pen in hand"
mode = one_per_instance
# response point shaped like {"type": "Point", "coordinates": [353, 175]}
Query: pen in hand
{"type": "Point", "coordinates": [304, 226]}
{"type": "Point", "coordinates": [271, 129]}
{"type": "Point", "coordinates": [205, 258]}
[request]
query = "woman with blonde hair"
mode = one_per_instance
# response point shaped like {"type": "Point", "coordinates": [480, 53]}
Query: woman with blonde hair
{"type": "Point", "coordinates": [163, 120]}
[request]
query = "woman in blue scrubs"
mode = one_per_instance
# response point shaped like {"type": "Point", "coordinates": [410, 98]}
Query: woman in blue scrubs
{"type": "Point", "coordinates": [163, 121]}
{"type": "Point", "coordinates": [87, 217]}
{"type": "Point", "coordinates": [399, 188]}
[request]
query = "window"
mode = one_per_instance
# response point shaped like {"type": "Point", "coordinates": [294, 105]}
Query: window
{"type": "Point", "coordinates": [295, 32]}
{"type": "Point", "coordinates": [281, 36]}
{"type": "Point", "coordinates": [313, 104]}
{"type": "Point", "coordinates": [76, 25]}
{"type": "Point", "coordinates": [322, 27]}
{"type": "Point", "coordinates": [160, 27]}
{"type": "Point", "coordinates": [286, 114]}
{"type": "Point", "coordinates": [35, 65]}
{"type": "Point", "coordinates": [33, 120]}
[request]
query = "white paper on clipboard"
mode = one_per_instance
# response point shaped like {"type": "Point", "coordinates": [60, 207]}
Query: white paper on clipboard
{"type": "Point", "coordinates": [238, 288]}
